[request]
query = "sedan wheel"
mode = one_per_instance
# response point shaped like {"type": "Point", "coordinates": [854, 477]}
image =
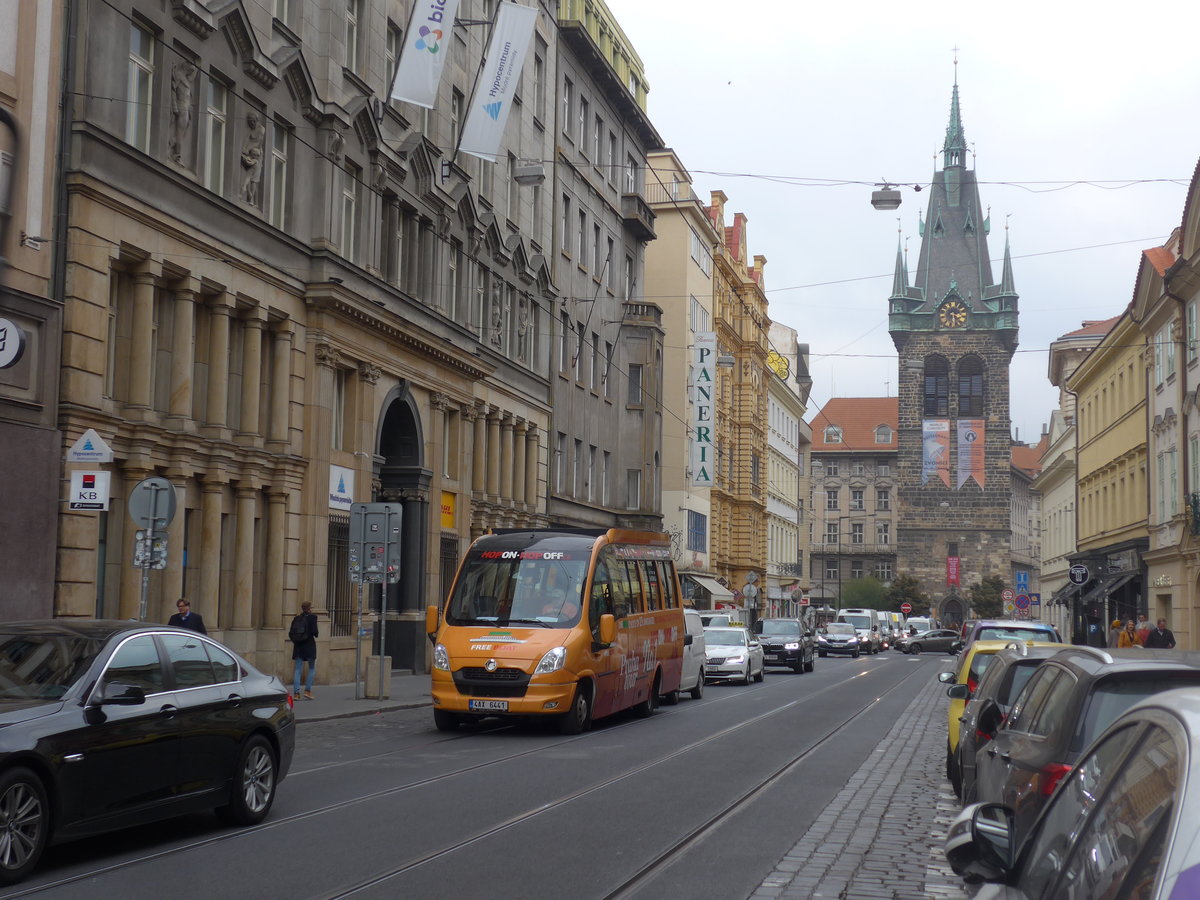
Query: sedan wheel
{"type": "Point", "coordinates": [254, 784]}
{"type": "Point", "coordinates": [914, 649]}
{"type": "Point", "coordinates": [698, 690]}
{"type": "Point", "coordinates": [24, 825]}
{"type": "Point", "coordinates": [762, 673]}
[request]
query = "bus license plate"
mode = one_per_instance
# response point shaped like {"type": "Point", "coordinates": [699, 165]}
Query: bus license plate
{"type": "Point", "coordinates": [488, 705]}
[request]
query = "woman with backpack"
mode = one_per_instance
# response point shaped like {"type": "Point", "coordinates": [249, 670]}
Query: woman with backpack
{"type": "Point", "coordinates": [303, 635]}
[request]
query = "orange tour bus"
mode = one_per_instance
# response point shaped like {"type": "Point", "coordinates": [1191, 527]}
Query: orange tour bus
{"type": "Point", "coordinates": [572, 623]}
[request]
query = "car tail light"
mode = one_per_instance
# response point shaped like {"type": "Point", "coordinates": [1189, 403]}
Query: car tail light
{"type": "Point", "coordinates": [1050, 775]}
{"type": "Point", "coordinates": [291, 701]}
{"type": "Point", "coordinates": [982, 737]}
{"type": "Point", "coordinates": [971, 685]}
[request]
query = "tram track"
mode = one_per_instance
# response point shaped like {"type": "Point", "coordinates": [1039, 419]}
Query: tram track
{"type": "Point", "coordinates": [645, 873]}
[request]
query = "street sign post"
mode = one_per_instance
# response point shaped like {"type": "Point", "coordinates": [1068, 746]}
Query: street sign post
{"type": "Point", "coordinates": [374, 559]}
{"type": "Point", "coordinates": [151, 505]}
{"type": "Point", "coordinates": [906, 608]}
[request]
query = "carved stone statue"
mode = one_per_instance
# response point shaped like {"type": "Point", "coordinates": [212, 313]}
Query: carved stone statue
{"type": "Point", "coordinates": [183, 74]}
{"type": "Point", "coordinates": [523, 328]}
{"type": "Point", "coordinates": [252, 157]}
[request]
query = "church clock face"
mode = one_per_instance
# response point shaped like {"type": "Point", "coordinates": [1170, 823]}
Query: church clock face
{"type": "Point", "coordinates": [953, 314]}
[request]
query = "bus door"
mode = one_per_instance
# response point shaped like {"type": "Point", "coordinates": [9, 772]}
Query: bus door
{"type": "Point", "coordinates": [607, 660]}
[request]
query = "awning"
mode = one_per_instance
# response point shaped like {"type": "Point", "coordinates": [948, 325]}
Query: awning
{"type": "Point", "coordinates": [1065, 594]}
{"type": "Point", "coordinates": [714, 587]}
{"type": "Point", "coordinates": [1106, 587]}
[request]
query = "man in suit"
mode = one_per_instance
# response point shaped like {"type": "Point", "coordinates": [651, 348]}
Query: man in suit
{"type": "Point", "coordinates": [185, 618]}
{"type": "Point", "coordinates": [1160, 637]}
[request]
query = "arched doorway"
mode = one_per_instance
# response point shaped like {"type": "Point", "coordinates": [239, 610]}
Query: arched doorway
{"type": "Point", "coordinates": [403, 479]}
{"type": "Point", "coordinates": [953, 612]}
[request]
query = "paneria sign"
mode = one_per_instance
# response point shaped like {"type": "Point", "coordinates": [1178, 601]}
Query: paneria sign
{"type": "Point", "coordinates": [703, 380]}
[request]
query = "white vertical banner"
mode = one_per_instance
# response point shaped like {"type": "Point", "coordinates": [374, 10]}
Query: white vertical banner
{"type": "Point", "coordinates": [498, 80]}
{"type": "Point", "coordinates": [703, 382]}
{"type": "Point", "coordinates": [426, 46]}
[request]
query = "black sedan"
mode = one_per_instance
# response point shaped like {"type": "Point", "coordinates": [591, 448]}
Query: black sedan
{"type": "Point", "coordinates": [786, 642]}
{"type": "Point", "coordinates": [108, 724]}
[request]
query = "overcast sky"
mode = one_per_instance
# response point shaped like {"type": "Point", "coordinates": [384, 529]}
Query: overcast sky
{"type": "Point", "coordinates": [778, 102]}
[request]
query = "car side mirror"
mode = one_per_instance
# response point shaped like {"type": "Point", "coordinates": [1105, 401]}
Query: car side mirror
{"type": "Point", "coordinates": [956, 647]}
{"type": "Point", "coordinates": [118, 693]}
{"type": "Point", "coordinates": [958, 692]}
{"type": "Point", "coordinates": [431, 620]}
{"type": "Point", "coordinates": [608, 628]}
{"type": "Point", "coordinates": [687, 640]}
{"type": "Point", "coordinates": [808, 634]}
{"type": "Point", "coordinates": [979, 844]}
{"type": "Point", "coordinates": [946, 677]}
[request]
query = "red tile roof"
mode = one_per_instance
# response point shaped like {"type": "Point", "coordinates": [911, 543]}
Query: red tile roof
{"type": "Point", "coordinates": [858, 417]}
{"type": "Point", "coordinates": [1093, 328]}
{"type": "Point", "coordinates": [1161, 258]}
{"type": "Point", "coordinates": [1029, 459]}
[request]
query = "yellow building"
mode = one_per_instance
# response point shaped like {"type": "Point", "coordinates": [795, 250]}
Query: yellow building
{"type": "Point", "coordinates": [739, 494]}
{"type": "Point", "coordinates": [1111, 506]}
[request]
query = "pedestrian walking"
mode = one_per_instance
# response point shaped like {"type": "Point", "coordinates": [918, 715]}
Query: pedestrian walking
{"type": "Point", "coordinates": [185, 618]}
{"type": "Point", "coordinates": [1143, 627]}
{"type": "Point", "coordinates": [303, 634]}
{"type": "Point", "coordinates": [1161, 638]}
{"type": "Point", "coordinates": [1114, 633]}
{"type": "Point", "coordinates": [1129, 637]}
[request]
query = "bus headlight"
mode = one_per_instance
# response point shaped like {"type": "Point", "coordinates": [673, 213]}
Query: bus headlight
{"type": "Point", "coordinates": [552, 661]}
{"type": "Point", "coordinates": [441, 659]}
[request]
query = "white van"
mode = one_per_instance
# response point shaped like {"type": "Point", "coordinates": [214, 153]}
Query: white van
{"type": "Point", "coordinates": [868, 624]}
{"type": "Point", "coordinates": [917, 624]}
{"type": "Point", "coordinates": [692, 679]}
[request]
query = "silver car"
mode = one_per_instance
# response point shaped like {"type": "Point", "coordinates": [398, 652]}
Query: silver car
{"type": "Point", "coordinates": [732, 654]}
{"type": "Point", "coordinates": [1122, 824]}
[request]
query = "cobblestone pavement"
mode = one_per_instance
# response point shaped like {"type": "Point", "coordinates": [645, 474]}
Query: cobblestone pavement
{"type": "Point", "coordinates": [881, 837]}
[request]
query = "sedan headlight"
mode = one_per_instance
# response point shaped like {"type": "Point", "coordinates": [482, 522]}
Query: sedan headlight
{"type": "Point", "coordinates": [793, 645]}
{"type": "Point", "coordinates": [552, 661]}
{"type": "Point", "coordinates": [441, 659]}
{"type": "Point", "coordinates": [822, 639]}
{"type": "Point", "coordinates": [740, 658]}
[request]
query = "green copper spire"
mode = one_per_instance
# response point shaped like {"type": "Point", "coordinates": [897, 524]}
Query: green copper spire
{"type": "Point", "coordinates": [954, 151]}
{"type": "Point", "coordinates": [1006, 278]}
{"type": "Point", "coordinates": [900, 277]}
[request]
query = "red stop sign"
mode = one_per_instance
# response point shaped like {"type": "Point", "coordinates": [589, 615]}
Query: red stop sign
{"type": "Point", "coordinates": [906, 608]}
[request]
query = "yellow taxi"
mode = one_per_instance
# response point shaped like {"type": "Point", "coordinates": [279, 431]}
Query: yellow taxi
{"type": "Point", "coordinates": [968, 670]}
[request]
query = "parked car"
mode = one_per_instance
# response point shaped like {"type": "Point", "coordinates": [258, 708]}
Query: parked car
{"type": "Point", "coordinates": [108, 724]}
{"type": "Point", "coordinates": [943, 640]}
{"type": "Point", "coordinates": [786, 642]}
{"type": "Point", "coordinates": [1123, 823]}
{"type": "Point", "coordinates": [964, 680]}
{"type": "Point", "coordinates": [987, 707]}
{"type": "Point", "coordinates": [692, 677]}
{"type": "Point", "coordinates": [838, 637]}
{"type": "Point", "coordinates": [1009, 630]}
{"type": "Point", "coordinates": [1071, 698]}
{"type": "Point", "coordinates": [732, 654]}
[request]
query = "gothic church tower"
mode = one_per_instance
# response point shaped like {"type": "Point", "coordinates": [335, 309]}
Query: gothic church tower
{"type": "Point", "coordinates": [955, 332]}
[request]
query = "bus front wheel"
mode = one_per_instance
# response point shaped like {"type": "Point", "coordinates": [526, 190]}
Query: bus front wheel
{"type": "Point", "coordinates": [650, 704]}
{"type": "Point", "coordinates": [579, 717]}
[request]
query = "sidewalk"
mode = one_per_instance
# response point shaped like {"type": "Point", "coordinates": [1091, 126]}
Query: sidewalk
{"type": "Point", "coordinates": [336, 701]}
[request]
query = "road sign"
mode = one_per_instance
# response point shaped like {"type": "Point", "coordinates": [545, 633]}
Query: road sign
{"type": "Point", "coordinates": [1022, 601]}
{"type": "Point", "coordinates": [152, 503]}
{"type": "Point", "coordinates": [804, 600]}
{"type": "Point", "coordinates": [89, 490]}
{"type": "Point", "coordinates": [1007, 595]}
{"type": "Point", "coordinates": [1079, 574]}
{"type": "Point", "coordinates": [12, 343]}
{"type": "Point", "coordinates": [906, 608]}
{"type": "Point", "coordinates": [90, 448]}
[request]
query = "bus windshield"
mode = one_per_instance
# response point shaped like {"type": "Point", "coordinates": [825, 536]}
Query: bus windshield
{"type": "Point", "coordinates": [862, 623]}
{"type": "Point", "coordinates": [528, 587]}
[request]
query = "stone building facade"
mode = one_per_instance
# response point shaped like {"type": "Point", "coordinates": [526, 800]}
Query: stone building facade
{"type": "Point", "coordinates": [31, 248]}
{"type": "Point", "coordinates": [287, 293]}
{"type": "Point", "coordinates": [955, 332]}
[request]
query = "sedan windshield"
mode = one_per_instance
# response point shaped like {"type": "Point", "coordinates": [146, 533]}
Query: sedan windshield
{"type": "Point", "coordinates": [42, 666]}
{"type": "Point", "coordinates": [781, 627]}
{"type": "Point", "coordinates": [840, 628]}
{"type": "Point", "coordinates": [725, 637]}
{"type": "Point", "coordinates": [1015, 633]}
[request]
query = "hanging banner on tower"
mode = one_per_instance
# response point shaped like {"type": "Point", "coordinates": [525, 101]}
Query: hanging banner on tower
{"type": "Point", "coordinates": [426, 46]}
{"type": "Point", "coordinates": [935, 450]}
{"type": "Point", "coordinates": [498, 81]}
{"type": "Point", "coordinates": [970, 451]}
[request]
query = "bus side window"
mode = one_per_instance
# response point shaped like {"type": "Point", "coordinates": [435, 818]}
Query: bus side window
{"type": "Point", "coordinates": [667, 581]}
{"type": "Point", "coordinates": [635, 587]}
{"type": "Point", "coordinates": [653, 587]}
{"type": "Point", "coordinates": [601, 601]}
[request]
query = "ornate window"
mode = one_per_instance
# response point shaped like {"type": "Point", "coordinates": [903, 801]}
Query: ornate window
{"type": "Point", "coordinates": [937, 387]}
{"type": "Point", "coordinates": [970, 387]}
